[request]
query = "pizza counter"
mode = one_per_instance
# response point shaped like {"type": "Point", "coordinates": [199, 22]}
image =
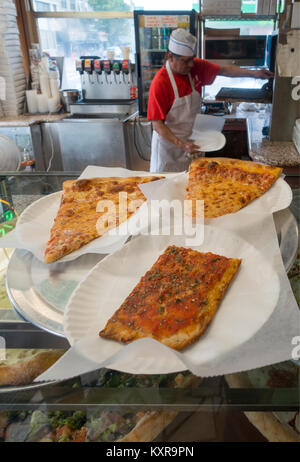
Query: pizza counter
{"type": "Point", "coordinates": [108, 405]}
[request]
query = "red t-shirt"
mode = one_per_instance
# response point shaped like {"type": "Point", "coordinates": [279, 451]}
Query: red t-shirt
{"type": "Point", "coordinates": [161, 95]}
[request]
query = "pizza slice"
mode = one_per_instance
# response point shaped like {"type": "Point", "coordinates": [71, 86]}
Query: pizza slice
{"type": "Point", "coordinates": [227, 185]}
{"type": "Point", "coordinates": [80, 219]}
{"type": "Point", "coordinates": [175, 301]}
{"type": "Point", "coordinates": [22, 366]}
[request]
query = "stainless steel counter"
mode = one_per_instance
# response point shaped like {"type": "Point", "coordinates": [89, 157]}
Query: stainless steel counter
{"type": "Point", "coordinates": [74, 143]}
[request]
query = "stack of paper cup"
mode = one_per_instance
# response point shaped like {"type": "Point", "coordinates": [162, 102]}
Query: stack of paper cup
{"type": "Point", "coordinates": [53, 105]}
{"type": "Point", "coordinates": [125, 52]}
{"type": "Point", "coordinates": [42, 102]}
{"type": "Point", "coordinates": [11, 62]}
{"type": "Point", "coordinates": [45, 85]}
{"type": "Point", "coordinates": [110, 55]}
{"type": "Point", "coordinates": [54, 86]}
{"type": "Point", "coordinates": [32, 104]}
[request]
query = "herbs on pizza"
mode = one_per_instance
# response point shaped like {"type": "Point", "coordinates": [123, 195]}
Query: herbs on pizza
{"type": "Point", "coordinates": [175, 301]}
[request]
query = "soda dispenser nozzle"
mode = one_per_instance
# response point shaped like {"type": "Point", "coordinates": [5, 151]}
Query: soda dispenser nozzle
{"type": "Point", "coordinates": [107, 69]}
{"type": "Point", "coordinates": [80, 66]}
{"type": "Point", "coordinates": [88, 68]}
{"type": "Point", "coordinates": [125, 66]}
{"type": "Point", "coordinates": [117, 70]}
{"type": "Point", "coordinates": [97, 66]}
{"type": "Point", "coordinates": [98, 69]}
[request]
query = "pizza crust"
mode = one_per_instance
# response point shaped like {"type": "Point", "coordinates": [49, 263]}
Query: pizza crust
{"type": "Point", "coordinates": [22, 366]}
{"type": "Point", "coordinates": [149, 426]}
{"type": "Point", "coordinates": [271, 428]}
{"type": "Point", "coordinates": [265, 422]}
{"type": "Point", "coordinates": [153, 423]}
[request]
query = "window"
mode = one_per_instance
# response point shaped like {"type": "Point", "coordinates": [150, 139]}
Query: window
{"type": "Point", "coordinates": [93, 35]}
{"type": "Point", "coordinates": [43, 6]}
{"type": "Point", "coordinates": [72, 38]}
{"type": "Point", "coordinates": [117, 5]}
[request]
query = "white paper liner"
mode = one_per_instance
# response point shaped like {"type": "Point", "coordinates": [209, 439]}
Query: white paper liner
{"type": "Point", "coordinates": [278, 197]}
{"type": "Point", "coordinates": [33, 227]}
{"type": "Point", "coordinates": [270, 344]}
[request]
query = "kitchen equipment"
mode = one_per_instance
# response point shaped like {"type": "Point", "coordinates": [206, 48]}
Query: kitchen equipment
{"type": "Point", "coordinates": [107, 85]}
{"type": "Point", "coordinates": [152, 32]}
{"type": "Point", "coordinates": [68, 97]}
{"type": "Point", "coordinates": [241, 50]}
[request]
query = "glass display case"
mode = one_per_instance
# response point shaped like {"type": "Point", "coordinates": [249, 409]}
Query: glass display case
{"type": "Point", "coordinates": [107, 405]}
{"type": "Point", "coordinates": [152, 33]}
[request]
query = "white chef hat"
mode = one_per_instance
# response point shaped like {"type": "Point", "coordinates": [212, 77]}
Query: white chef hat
{"type": "Point", "coordinates": [182, 43]}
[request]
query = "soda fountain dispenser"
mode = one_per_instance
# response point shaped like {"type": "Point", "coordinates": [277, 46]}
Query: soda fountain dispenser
{"type": "Point", "coordinates": [108, 82]}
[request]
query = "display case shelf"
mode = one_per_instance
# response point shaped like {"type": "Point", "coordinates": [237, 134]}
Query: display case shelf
{"type": "Point", "coordinates": [242, 17]}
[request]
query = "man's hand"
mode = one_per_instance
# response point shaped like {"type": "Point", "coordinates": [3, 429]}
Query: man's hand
{"type": "Point", "coordinates": [191, 148]}
{"type": "Point", "coordinates": [263, 74]}
{"type": "Point", "coordinates": [164, 131]}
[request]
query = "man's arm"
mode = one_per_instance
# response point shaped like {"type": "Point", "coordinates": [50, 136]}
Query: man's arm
{"type": "Point", "coordinates": [167, 134]}
{"type": "Point", "coordinates": [236, 71]}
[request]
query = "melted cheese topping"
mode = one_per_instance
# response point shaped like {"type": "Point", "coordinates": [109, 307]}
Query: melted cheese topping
{"type": "Point", "coordinates": [175, 300]}
{"type": "Point", "coordinates": [77, 221]}
{"type": "Point", "coordinates": [227, 185]}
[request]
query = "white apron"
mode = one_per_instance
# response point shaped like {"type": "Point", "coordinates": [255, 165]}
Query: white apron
{"type": "Point", "coordinates": [165, 157]}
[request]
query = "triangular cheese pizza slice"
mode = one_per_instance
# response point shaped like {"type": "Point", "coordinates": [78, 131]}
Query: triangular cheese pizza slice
{"type": "Point", "coordinates": [227, 185]}
{"type": "Point", "coordinates": [91, 207]}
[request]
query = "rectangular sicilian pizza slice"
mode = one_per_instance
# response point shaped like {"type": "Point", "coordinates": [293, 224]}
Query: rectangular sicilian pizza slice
{"type": "Point", "coordinates": [175, 301]}
{"type": "Point", "coordinates": [227, 185]}
{"type": "Point", "coordinates": [77, 222]}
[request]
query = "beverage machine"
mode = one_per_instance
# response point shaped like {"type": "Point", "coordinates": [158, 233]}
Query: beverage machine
{"type": "Point", "coordinates": [108, 86]}
{"type": "Point", "coordinates": [152, 34]}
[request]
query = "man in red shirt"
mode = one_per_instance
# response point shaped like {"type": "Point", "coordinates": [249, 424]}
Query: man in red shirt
{"type": "Point", "coordinates": [174, 100]}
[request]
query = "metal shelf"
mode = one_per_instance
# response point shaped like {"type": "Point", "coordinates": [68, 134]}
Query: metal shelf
{"type": "Point", "coordinates": [239, 17]}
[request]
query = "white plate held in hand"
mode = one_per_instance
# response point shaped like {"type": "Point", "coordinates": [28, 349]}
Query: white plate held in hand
{"type": "Point", "coordinates": [210, 140]}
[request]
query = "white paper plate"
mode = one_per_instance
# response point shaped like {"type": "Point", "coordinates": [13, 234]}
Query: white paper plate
{"type": "Point", "coordinates": [247, 305]}
{"type": "Point", "coordinates": [10, 155]}
{"type": "Point", "coordinates": [210, 140]}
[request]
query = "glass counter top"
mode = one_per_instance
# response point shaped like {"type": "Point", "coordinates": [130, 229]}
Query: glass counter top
{"type": "Point", "coordinates": [273, 388]}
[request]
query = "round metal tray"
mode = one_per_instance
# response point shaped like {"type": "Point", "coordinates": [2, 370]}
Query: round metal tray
{"type": "Point", "coordinates": [40, 292]}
